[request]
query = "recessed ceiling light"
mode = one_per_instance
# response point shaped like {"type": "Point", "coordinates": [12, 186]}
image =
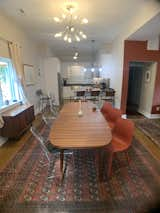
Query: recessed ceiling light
{"type": "Point", "coordinates": [75, 57]}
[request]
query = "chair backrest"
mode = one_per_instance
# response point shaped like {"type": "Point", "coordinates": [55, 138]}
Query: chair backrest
{"type": "Point", "coordinates": [110, 93]}
{"type": "Point", "coordinates": [113, 115]}
{"type": "Point", "coordinates": [80, 93]}
{"type": "Point", "coordinates": [40, 139]}
{"type": "Point", "coordinates": [106, 108]}
{"type": "Point", "coordinates": [95, 93]}
{"type": "Point", "coordinates": [48, 119]}
{"type": "Point", "coordinates": [124, 129]}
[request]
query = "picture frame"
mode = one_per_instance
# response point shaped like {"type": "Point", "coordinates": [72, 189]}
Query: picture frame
{"type": "Point", "coordinates": [29, 74]}
{"type": "Point", "coordinates": [147, 76]}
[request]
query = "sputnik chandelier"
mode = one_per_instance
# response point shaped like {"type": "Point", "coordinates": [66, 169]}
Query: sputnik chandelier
{"type": "Point", "coordinates": [71, 22]}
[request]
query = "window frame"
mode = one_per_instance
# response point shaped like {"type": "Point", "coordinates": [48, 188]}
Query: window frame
{"type": "Point", "coordinates": [11, 105]}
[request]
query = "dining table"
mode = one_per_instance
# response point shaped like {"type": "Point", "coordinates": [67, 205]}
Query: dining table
{"type": "Point", "coordinates": [80, 125]}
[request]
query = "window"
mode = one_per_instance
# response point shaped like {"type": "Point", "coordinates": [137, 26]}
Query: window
{"type": "Point", "coordinates": [9, 91]}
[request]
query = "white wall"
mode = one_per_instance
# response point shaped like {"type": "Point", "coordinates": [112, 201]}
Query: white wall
{"type": "Point", "coordinates": [44, 52]}
{"type": "Point", "coordinates": [142, 15]}
{"type": "Point", "coordinates": [147, 90]}
{"type": "Point", "coordinates": [104, 60]}
{"type": "Point", "coordinates": [30, 51]}
{"type": "Point", "coordinates": [66, 65]}
{"type": "Point", "coordinates": [51, 67]}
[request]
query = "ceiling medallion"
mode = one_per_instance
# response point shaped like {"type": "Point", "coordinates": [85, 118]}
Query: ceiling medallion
{"type": "Point", "coordinates": [71, 21]}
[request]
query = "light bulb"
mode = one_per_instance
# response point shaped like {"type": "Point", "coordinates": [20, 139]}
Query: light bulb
{"type": "Point", "coordinates": [100, 69]}
{"type": "Point", "coordinates": [72, 29]}
{"type": "Point", "coordinates": [58, 35]}
{"type": "Point", "coordinates": [85, 69]}
{"type": "Point", "coordinates": [81, 33]}
{"type": "Point", "coordinates": [84, 36]}
{"type": "Point", "coordinates": [92, 69]}
{"type": "Point", "coordinates": [84, 21]}
{"type": "Point", "coordinates": [75, 57]}
{"type": "Point", "coordinates": [76, 53]}
{"type": "Point", "coordinates": [69, 40]}
{"type": "Point", "coordinates": [65, 38]}
{"type": "Point", "coordinates": [56, 19]}
{"type": "Point", "coordinates": [71, 10]}
{"type": "Point", "coordinates": [77, 38]}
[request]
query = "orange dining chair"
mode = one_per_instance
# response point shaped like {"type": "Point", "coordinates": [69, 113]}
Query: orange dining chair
{"type": "Point", "coordinates": [112, 116]}
{"type": "Point", "coordinates": [106, 108]}
{"type": "Point", "coordinates": [121, 140]}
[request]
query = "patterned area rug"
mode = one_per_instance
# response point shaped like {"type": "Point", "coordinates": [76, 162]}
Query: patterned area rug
{"type": "Point", "coordinates": [151, 128]}
{"type": "Point", "coordinates": [25, 186]}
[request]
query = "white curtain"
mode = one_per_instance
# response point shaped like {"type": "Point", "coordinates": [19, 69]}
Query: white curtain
{"type": "Point", "coordinates": [1, 122]}
{"type": "Point", "coordinates": [15, 55]}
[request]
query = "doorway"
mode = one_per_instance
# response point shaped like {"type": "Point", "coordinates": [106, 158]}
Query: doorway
{"type": "Point", "coordinates": [140, 88]}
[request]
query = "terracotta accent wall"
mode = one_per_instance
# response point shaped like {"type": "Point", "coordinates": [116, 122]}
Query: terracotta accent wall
{"type": "Point", "coordinates": [137, 51]}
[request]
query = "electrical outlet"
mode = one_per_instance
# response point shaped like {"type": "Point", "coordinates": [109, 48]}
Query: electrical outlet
{"type": "Point", "coordinates": [158, 108]}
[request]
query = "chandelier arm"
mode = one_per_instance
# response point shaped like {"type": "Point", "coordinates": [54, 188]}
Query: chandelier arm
{"type": "Point", "coordinates": [70, 21]}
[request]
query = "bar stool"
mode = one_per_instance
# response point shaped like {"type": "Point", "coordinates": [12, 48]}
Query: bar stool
{"type": "Point", "coordinates": [109, 96]}
{"type": "Point", "coordinates": [94, 95]}
{"type": "Point", "coordinates": [44, 102]}
{"type": "Point", "coordinates": [80, 95]}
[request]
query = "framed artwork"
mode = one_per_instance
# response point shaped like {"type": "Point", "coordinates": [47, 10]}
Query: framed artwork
{"type": "Point", "coordinates": [29, 74]}
{"type": "Point", "coordinates": [147, 76]}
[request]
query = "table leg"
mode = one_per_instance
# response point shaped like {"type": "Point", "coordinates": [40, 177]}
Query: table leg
{"type": "Point", "coordinates": [109, 150]}
{"type": "Point", "coordinates": [61, 160]}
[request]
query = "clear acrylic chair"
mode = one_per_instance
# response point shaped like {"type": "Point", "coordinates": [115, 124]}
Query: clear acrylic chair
{"type": "Point", "coordinates": [48, 150]}
{"type": "Point", "coordinates": [50, 113]}
{"type": "Point", "coordinates": [48, 120]}
{"type": "Point", "coordinates": [46, 147]}
{"type": "Point", "coordinates": [54, 108]}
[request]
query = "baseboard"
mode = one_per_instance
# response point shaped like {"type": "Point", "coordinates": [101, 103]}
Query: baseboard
{"type": "Point", "coordinates": [154, 116]}
{"type": "Point", "coordinates": [149, 115]}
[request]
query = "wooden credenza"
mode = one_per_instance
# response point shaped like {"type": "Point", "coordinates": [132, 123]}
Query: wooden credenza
{"type": "Point", "coordinates": [17, 120]}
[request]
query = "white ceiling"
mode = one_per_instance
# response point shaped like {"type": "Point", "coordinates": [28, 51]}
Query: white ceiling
{"type": "Point", "coordinates": [106, 19]}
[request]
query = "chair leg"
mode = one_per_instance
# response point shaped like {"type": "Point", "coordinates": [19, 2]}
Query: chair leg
{"type": "Point", "coordinates": [127, 157]}
{"type": "Point", "coordinates": [110, 160]}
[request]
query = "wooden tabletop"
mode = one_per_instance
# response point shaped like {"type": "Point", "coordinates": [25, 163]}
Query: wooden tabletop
{"type": "Point", "coordinates": [88, 131]}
